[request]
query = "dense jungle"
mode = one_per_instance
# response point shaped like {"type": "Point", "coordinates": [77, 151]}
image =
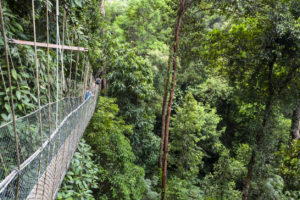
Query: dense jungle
{"type": "Point", "coordinates": [199, 99]}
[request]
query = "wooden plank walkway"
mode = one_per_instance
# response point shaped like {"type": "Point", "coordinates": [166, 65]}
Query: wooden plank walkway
{"type": "Point", "coordinates": [50, 181]}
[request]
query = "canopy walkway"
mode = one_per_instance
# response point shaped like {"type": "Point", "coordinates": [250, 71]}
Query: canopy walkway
{"type": "Point", "coordinates": [36, 149]}
{"type": "Point", "coordinates": [43, 167]}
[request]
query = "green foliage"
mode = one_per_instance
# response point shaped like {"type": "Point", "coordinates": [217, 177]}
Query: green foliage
{"type": "Point", "coordinates": [194, 135]}
{"type": "Point", "coordinates": [273, 188]}
{"type": "Point", "coordinates": [211, 91]}
{"type": "Point", "coordinates": [130, 82]}
{"type": "Point", "coordinates": [289, 167]}
{"type": "Point", "coordinates": [180, 189]}
{"type": "Point", "coordinates": [119, 177]}
{"type": "Point", "coordinates": [150, 194]}
{"type": "Point", "coordinates": [81, 177]}
{"type": "Point", "coordinates": [257, 53]}
{"type": "Point", "coordinates": [18, 24]}
{"type": "Point", "coordinates": [238, 67]}
{"type": "Point", "coordinates": [221, 184]}
{"type": "Point", "coordinates": [143, 23]}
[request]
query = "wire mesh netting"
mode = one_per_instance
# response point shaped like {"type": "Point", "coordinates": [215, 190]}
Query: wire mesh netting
{"type": "Point", "coordinates": [44, 155]}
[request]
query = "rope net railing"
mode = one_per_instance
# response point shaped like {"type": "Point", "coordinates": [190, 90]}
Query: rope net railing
{"type": "Point", "coordinates": [35, 150]}
{"type": "Point", "coordinates": [42, 167]}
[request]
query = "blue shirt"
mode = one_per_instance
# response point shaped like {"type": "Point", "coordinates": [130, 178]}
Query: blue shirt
{"type": "Point", "coordinates": [87, 94]}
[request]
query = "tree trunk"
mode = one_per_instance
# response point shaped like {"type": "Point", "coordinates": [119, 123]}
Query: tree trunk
{"type": "Point", "coordinates": [102, 8]}
{"type": "Point", "coordinates": [259, 139]}
{"type": "Point", "coordinates": [261, 133]}
{"type": "Point", "coordinates": [249, 177]}
{"type": "Point", "coordinates": [176, 41]}
{"type": "Point", "coordinates": [295, 127]}
{"type": "Point", "coordinates": [163, 114]}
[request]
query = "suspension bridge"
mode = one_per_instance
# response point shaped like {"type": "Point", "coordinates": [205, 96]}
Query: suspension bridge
{"type": "Point", "coordinates": [36, 149]}
{"type": "Point", "coordinates": [41, 174]}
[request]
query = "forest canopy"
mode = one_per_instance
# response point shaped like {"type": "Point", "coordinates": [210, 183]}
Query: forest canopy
{"type": "Point", "coordinates": [199, 99]}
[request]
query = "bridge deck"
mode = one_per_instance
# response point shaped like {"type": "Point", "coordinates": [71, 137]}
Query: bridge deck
{"type": "Point", "coordinates": [42, 173]}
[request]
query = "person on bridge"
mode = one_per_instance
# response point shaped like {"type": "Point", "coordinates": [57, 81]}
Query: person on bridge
{"type": "Point", "coordinates": [98, 81]}
{"type": "Point", "coordinates": [87, 94]}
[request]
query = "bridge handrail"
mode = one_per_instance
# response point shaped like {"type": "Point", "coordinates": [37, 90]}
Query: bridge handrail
{"type": "Point", "coordinates": [14, 173]}
{"type": "Point", "coordinates": [23, 117]}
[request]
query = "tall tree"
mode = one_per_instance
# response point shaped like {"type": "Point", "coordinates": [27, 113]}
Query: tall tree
{"type": "Point", "coordinates": [163, 115]}
{"type": "Point", "coordinates": [295, 127]}
{"type": "Point", "coordinates": [119, 177]}
{"type": "Point", "coordinates": [104, 83]}
{"type": "Point", "coordinates": [181, 11]}
{"type": "Point", "coordinates": [260, 60]}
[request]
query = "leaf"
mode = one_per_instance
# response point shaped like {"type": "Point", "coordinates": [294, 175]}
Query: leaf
{"type": "Point", "coordinates": [20, 107]}
{"type": "Point", "coordinates": [25, 87]}
{"type": "Point", "coordinates": [33, 97]}
{"type": "Point", "coordinates": [8, 89]}
{"type": "Point", "coordinates": [14, 74]}
{"type": "Point", "coordinates": [78, 3]}
{"type": "Point", "coordinates": [4, 116]}
{"type": "Point", "coordinates": [26, 75]}
{"type": "Point", "coordinates": [7, 107]}
{"type": "Point", "coordinates": [30, 105]}
{"type": "Point", "coordinates": [18, 94]}
{"type": "Point", "coordinates": [18, 26]}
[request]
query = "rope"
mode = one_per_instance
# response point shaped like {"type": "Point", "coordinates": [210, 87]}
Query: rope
{"type": "Point", "coordinates": [71, 84]}
{"type": "Point", "coordinates": [57, 63]}
{"type": "Point", "coordinates": [19, 90]}
{"type": "Point", "coordinates": [24, 110]}
{"type": "Point", "coordinates": [62, 52]}
{"type": "Point", "coordinates": [62, 108]}
{"type": "Point", "coordinates": [79, 113]}
{"type": "Point", "coordinates": [62, 79]}
{"type": "Point", "coordinates": [70, 70]}
{"type": "Point", "coordinates": [11, 97]}
{"type": "Point", "coordinates": [76, 68]}
{"type": "Point", "coordinates": [86, 74]}
{"type": "Point", "coordinates": [49, 94]}
{"type": "Point", "coordinates": [69, 90]}
{"type": "Point", "coordinates": [57, 90]}
{"type": "Point", "coordinates": [38, 91]}
{"type": "Point", "coordinates": [82, 76]}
